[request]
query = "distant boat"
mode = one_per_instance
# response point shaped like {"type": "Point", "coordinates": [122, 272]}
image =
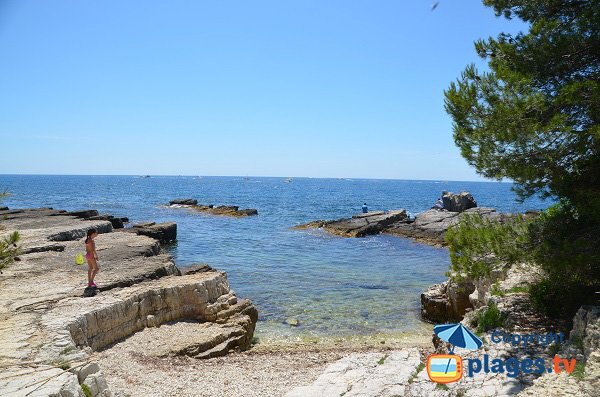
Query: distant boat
{"type": "Point", "coordinates": [288, 180]}
{"type": "Point", "coordinates": [146, 176]}
{"type": "Point", "coordinates": [246, 178]}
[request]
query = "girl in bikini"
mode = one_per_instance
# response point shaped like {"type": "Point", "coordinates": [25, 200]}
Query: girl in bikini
{"type": "Point", "coordinates": [91, 256]}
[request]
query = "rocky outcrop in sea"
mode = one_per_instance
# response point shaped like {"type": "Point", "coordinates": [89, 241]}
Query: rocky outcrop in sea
{"type": "Point", "coordinates": [359, 225]}
{"type": "Point", "coordinates": [428, 227]}
{"type": "Point", "coordinates": [222, 210]}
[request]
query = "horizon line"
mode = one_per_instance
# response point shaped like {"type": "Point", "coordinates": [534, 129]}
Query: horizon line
{"type": "Point", "coordinates": [262, 176]}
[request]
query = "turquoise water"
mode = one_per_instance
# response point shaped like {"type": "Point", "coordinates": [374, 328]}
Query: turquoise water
{"type": "Point", "coordinates": [331, 285]}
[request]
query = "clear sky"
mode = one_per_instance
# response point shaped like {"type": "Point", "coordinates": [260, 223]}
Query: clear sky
{"type": "Point", "coordinates": [273, 88]}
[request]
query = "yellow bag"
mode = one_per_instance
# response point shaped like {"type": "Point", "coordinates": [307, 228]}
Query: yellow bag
{"type": "Point", "coordinates": [79, 259]}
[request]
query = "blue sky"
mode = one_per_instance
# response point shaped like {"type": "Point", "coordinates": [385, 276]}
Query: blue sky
{"type": "Point", "coordinates": [271, 88]}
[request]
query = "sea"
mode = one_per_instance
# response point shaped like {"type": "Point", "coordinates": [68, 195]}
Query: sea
{"type": "Point", "coordinates": [306, 284]}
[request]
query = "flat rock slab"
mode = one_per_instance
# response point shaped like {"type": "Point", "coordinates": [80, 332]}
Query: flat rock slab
{"type": "Point", "coordinates": [364, 375]}
{"type": "Point", "coordinates": [189, 338]}
{"type": "Point", "coordinates": [222, 210]}
{"type": "Point", "coordinates": [359, 225]}
{"type": "Point", "coordinates": [430, 226]}
{"type": "Point", "coordinates": [399, 373]}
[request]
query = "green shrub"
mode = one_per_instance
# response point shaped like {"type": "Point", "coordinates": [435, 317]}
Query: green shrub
{"type": "Point", "coordinates": [86, 390]}
{"type": "Point", "coordinates": [489, 319]}
{"type": "Point", "coordinates": [62, 364]}
{"type": "Point", "coordinates": [496, 291]}
{"type": "Point", "coordinates": [518, 289]}
{"type": "Point", "coordinates": [579, 371]}
{"type": "Point", "coordinates": [9, 249]}
{"type": "Point", "coordinates": [478, 245]}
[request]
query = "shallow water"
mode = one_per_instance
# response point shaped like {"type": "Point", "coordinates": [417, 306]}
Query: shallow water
{"type": "Point", "coordinates": [333, 286]}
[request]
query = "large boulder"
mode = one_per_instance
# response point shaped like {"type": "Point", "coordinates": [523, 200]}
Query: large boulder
{"type": "Point", "coordinates": [586, 333]}
{"type": "Point", "coordinates": [458, 202]}
{"type": "Point", "coordinates": [434, 303]}
{"type": "Point", "coordinates": [586, 329]}
{"type": "Point", "coordinates": [447, 301]}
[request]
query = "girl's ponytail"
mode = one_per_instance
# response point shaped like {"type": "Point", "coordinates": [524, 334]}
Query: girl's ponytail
{"type": "Point", "coordinates": [90, 232]}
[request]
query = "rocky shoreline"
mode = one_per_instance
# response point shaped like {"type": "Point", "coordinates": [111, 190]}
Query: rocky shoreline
{"type": "Point", "coordinates": [49, 331]}
{"type": "Point", "coordinates": [151, 323]}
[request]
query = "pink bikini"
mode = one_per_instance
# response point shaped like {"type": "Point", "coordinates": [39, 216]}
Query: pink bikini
{"type": "Point", "coordinates": [90, 252]}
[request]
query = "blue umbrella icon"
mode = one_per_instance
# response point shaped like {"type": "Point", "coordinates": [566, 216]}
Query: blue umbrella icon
{"type": "Point", "coordinates": [458, 335]}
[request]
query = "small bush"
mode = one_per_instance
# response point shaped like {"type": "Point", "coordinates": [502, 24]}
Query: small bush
{"type": "Point", "coordinates": [518, 289]}
{"type": "Point", "coordinates": [579, 371]}
{"type": "Point", "coordinates": [86, 390]}
{"type": "Point", "coordinates": [489, 319]}
{"type": "Point", "coordinates": [9, 249]}
{"type": "Point", "coordinates": [496, 291]}
{"type": "Point", "coordinates": [62, 364]}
